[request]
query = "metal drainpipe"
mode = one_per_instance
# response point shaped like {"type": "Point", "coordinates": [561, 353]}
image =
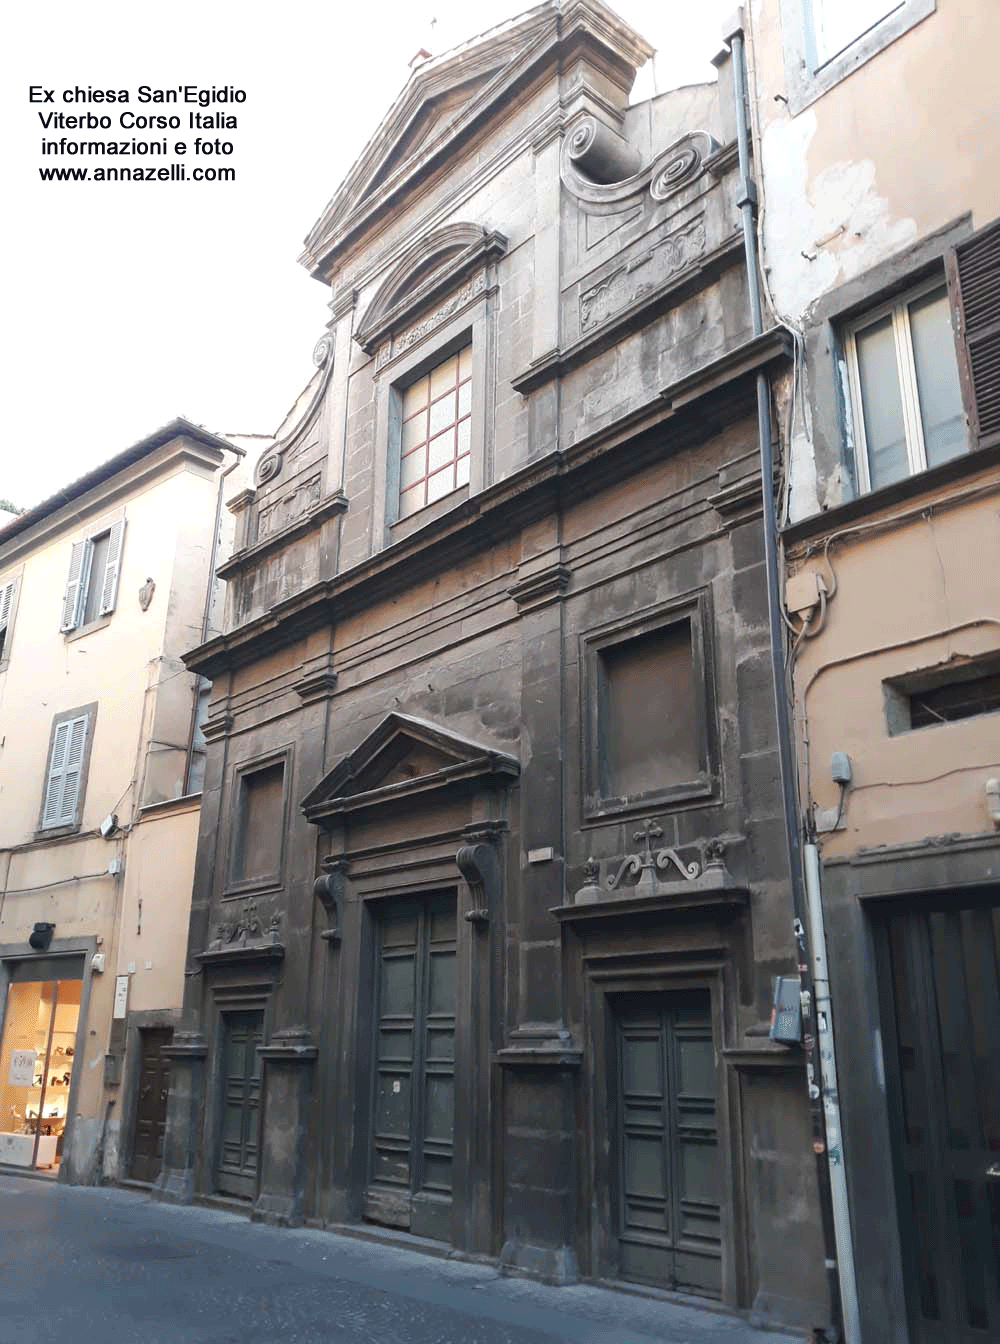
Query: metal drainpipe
{"type": "Point", "coordinates": [746, 203]}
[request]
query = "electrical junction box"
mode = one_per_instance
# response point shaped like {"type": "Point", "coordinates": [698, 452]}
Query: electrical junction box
{"type": "Point", "coordinates": [786, 1015]}
{"type": "Point", "coordinates": [802, 591]}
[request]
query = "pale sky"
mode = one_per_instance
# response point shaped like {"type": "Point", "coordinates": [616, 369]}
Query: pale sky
{"type": "Point", "coordinates": [125, 304]}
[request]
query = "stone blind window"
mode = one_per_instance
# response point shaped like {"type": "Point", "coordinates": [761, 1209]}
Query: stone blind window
{"type": "Point", "coordinates": [648, 719]}
{"type": "Point", "coordinates": [258, 839]}
{"type": "Point", "coordinates": [436, 433]}
{"type": "Point", "coordinates": [906, 400]}
{"type": "Point", "coordinates": [648, 712]}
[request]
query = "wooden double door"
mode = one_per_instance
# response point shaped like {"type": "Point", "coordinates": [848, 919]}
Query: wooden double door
{"type": "Point", "coordinates": [667, 1201]}
{"type": "Point", "coordinates": [239, 1133]}
{"type": "Point", "coordinates": [412, 1125]}
{"type": "Point", "coordinates": [151, 1104]}
{"type": "Point", "coordinates": [940, 985]}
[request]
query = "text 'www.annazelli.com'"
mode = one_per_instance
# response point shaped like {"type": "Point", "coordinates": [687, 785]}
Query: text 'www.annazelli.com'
{"type": "Point", "coordinates": [176, 172]}
{"type": "Point", "coordinates": [198, 110]}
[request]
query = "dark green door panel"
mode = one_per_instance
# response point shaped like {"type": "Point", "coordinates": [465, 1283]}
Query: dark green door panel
{"type": "Point", "coordinates": [668, 1163]}
{"type": "Point", "coordinates": [239, 1138]}
{"type": "Point", "coordinates": [413, 1102]}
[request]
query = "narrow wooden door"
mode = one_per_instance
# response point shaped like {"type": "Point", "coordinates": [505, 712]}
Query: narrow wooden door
{"type": "Point", "coordinates": [239, 1139]}
{"type": "Point", "coordinates": [667, 1139]}
{"type": "Point", "coordinates": [413, 1088]}
{"type": "Point", "coordinates": [151, 1104]}
{"type": "Point", "coordinates": [940, 982]}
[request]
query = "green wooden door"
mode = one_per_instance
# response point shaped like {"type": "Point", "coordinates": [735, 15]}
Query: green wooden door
{"type": "Point", "coordinates": [940, 985]}
{"type": "Point", "coordinates": [667, 1140]}
{"type": "Point", "coordinates": [239, 1139]}
{"type": "Point", "coordinates": [413, 1092]}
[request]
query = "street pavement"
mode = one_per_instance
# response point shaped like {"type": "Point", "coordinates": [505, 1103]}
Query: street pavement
{"type": "Point", "coordinates": [108, 1266]}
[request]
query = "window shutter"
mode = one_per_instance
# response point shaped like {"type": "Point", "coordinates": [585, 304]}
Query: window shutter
{"type": "Point", "coordinates": [6, 607]}
{"type": "Point", "coordinates": [62, 788]}
{"type": "Point", "coordinates": [109, 587]}
{"type": "Point", "coordinates": [71, 602]}
{"type": "Point", "coordinates": [974, 282]}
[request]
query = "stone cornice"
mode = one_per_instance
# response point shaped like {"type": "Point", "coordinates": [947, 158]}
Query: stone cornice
{"type": "Point", "coordinates": [241, 560]}
{"type": "Point", "coordinates": [529, 493]}
{"type": "Point", "coordinates": [637, 314]}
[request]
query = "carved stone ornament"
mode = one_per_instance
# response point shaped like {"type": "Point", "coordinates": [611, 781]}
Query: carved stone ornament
{"type": "Point", "coordinates": [322, 350]}
{"type": "Point", "coordinates": [602, 171]}
{"type": "Point", "coordinates": [591, 892]}
{"type": "Point", "coordinates": [641, 274]}
{"type": "Point", "coordinates": [646, 867]}
{"type": "Point", "coordinates": [267, 468]}
{"type": "Point", "coordinates": [146, 594]}
{"type": "Point", "coordinates": [241, 935]}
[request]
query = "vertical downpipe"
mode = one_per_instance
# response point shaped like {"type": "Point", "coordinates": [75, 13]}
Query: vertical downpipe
{"type": "Point", "coordinates": [746, 203]}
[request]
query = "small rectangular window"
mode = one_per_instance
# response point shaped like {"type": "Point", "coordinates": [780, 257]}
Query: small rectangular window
{"type": "Point", "coordinates": [259, 835]}
{"type": "Point", "coordinates": [435, 433]}
{"type": "Point", "coordinates": [92, 586]}
{"type": "Point", "coordinates": [943, 695]}
{"type": "Point", "coordinates": [906, 401]}
{"type": "Point", "coordinates": [836, 24]}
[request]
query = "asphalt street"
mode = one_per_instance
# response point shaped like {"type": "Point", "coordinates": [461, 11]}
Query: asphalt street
{"type": "Point", "coordinates": [109, 1266]}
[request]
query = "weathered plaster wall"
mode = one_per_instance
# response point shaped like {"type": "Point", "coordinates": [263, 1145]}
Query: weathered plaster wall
{"type": "Point", "coordinates": [887, 156]}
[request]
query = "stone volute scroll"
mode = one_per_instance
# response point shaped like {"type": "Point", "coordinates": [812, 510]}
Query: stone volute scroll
{"type": "Point", "coordinates": [329, 891]}
{"type": "Point", "coordinates": [479, 864]}
{"type": "Point", "coordinates": [602, 170]}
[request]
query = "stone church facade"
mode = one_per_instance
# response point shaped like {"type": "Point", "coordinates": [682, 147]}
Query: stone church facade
{"type": "Point", "coordinates": [492, 883]}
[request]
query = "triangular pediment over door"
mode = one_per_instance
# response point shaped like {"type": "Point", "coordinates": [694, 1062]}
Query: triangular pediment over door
{"type": "Point", "coordinates": [404, 758]}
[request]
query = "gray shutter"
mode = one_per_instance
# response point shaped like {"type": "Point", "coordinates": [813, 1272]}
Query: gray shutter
{"type": "Point", "coordinates": [6, 607]}
{"type": "Point", "coordinates": [974, 283]}
{"type": "Point", "coordinates": [62, 787]}
{"type": "Point", "coordinates": [109, 586]}
{"type": "Point", "coordinates": [71, 602]}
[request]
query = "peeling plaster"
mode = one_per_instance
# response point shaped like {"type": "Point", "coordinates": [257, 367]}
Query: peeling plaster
{"type": "Point", "coordinates": [835, 216]}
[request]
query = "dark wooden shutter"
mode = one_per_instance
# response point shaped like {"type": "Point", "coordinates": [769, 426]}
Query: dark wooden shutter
{"type": "Point", "coordinates": [974, 283]}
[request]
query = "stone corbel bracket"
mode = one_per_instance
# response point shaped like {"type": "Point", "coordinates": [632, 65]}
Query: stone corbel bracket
{"type": "Point", "coordinates": [479, 864]}
{"type": "Point", "coordinates": [329, 891]}
{"type": "Point", "coordinates": [601, 170]}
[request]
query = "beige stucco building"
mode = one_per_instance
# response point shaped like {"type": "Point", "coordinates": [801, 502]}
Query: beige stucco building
{"type": "Point", "coordinates": [879, 178]}
{"type": "Point", "coordinates": [102, 587]}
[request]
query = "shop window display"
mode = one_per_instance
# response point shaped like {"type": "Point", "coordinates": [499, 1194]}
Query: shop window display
{"type": "Point", "coordinates": [36, 1070]}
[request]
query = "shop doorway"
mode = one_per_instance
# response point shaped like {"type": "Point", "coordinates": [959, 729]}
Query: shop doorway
{"type": "Point", "coordinates": [239, 1141]}
{"type": "Point", "coordinates": [413, 1089]}
{"type": "Point", "coordinates": [668, 1187]}
{"type": "Point", "coordinates": [151, 1104]}
{"type": "Point", "coordinates": [37, 1058]}
{"type": "Point", "coordinates": [940, 986]}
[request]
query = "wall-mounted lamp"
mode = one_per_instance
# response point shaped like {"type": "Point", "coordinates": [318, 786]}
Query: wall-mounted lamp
{"type": "Point", "coordinates": [40, 936]}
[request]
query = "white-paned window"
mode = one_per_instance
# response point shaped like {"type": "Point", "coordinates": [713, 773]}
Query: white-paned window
{"type": "Point", "coordinates": [92, 586]}
{"type": "Point", "coordinates": [435, 433]}
{"type": "Point", "coordinates": [8, 592]}
{"type": "Point", "coordinates": [838, 23]}
{"type": "Point", "coordinates": [906, 402]}
{"type": "Point", "coordinates": [64, 777]}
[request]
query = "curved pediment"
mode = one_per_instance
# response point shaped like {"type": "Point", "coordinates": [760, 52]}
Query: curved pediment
{"type": "Point", "coordinates": [432, 265]}
{"type": "Point", "coordinates": [401, 758]}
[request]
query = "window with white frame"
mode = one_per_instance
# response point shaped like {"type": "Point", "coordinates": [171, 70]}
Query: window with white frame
{"type": "Point", "coordinates": [8, 594]}
{"type": "Point", "coordinates": [65, 774]}
{"type": "Point", "coordinates": [906, 402]}
{"type": "Point", "coordinates": [435, 436]}
{"type": "Point", "coordinates": [835, 24]}
{"type": "Point", "coordinates": [92, 586]}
